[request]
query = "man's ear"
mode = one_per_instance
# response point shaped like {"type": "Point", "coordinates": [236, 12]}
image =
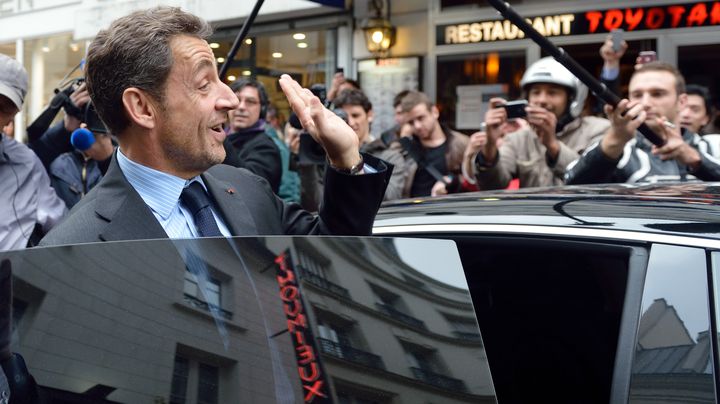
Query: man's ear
{"type": "Point", "coordinates": [435, 112]}
{"type": "Point", "coordinates": [682, 102]}
{"type": "Point", "coordinates": [370, 116]}
{"type": "Point", "coordinates": [140, 108]}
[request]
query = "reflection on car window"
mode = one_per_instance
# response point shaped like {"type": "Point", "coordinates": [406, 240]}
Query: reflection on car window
{"type": "Point", "coordinates": [254, 320]}
{"type": "Point", "coordinates": [673, 345]}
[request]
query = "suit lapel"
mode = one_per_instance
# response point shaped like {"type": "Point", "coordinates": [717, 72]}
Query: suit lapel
{"type": "Point", "coordinates": [231, 206]}
{"type": "Point", "coordinates": [129, 218]}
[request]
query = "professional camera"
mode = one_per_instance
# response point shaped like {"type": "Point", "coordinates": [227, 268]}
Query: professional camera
{"type": "Point", "coordinates": [61, 100]}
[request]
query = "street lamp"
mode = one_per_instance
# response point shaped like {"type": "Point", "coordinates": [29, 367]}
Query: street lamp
{"type": "Point", "coordinates": [379, 33]}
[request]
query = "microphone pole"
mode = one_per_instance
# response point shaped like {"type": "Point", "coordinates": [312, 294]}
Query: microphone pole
{"type": "Point", "coordinates": [241, 36]}
{"type": "Point", "coordinates": [571, 64]}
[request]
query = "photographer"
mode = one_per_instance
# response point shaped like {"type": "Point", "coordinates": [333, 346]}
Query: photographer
{"type": "Point", "coordinates": [30, 205]}
{"type": "Point", "coordinates": [537, 155]}
{"type": "Point", "coordinates": [55, 140]}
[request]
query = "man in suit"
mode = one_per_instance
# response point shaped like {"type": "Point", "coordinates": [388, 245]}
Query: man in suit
{"type": "Point", "coordinates": [153, 80]}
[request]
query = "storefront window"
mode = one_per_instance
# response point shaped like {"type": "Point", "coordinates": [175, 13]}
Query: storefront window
{"type": "Point", "coordinates": [308, 56]}
{"type": "Point", "coordinates": [465, 84]}
{"type": "Point", "coordinates": [588, 56]}
{"type": "Point", "coordinates": [50, 62]}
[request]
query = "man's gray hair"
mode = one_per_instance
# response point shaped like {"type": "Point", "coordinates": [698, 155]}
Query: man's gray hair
{"type": "Point", "coordinates": [135, 52]}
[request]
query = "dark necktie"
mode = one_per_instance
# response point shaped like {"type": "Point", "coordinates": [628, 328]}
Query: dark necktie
{"type": "Point", "coordinates": [196, 200]}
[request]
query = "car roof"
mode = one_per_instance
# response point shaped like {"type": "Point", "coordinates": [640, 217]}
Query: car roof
{"type": "Point", "coordinates": [689, 209]}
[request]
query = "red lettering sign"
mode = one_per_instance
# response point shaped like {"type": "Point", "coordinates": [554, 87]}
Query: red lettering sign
{"type": "Point", "coordinates": [715, 14]}
{"type": "Point", "coordinates": [698, 14]}
{"type": "Point", "coordinates": [593, 18]}
{"type": "Point", "coordinates": [309, 367]}
{"type": "Point", "coordinates": [655, 18]}
{"type": "Point", "coordinates": [314, 391]}
{"type": "Point", "coordinates": [613, 19]}
{"type": "Point", "coordinates": [676, 13]}
{"type": "Point", "coordinates": [633, 18]}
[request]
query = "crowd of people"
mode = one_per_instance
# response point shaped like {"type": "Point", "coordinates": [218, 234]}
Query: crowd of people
{"type": "Point", "coordinates": [139, 151]}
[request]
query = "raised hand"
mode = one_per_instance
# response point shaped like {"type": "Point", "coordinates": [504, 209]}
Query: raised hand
{"type": "Point", "coordinates": [337, 138]}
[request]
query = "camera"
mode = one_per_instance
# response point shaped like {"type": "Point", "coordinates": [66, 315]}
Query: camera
{"type": "Point", "coordinates": [516, 109]}
{"type": "Point", "coordinates": [62, 100]}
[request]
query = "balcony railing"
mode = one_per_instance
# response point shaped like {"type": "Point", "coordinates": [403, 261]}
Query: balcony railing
{"type": "Point", "coordinates": [199, 304]}
{"type": "Point", "coordinates": [351, 354]}
{"type": "Point", "coordinates": [323, 283]}
{"type": "Point", "coordinates": [400, 316]}
{"type": "Point", "coordinates": [467, 336]}
{"type": "Point", "coordinates": [439, 380]}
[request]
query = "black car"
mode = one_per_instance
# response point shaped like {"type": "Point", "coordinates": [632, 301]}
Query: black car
{"type": "Point", "coordinates": [587, 294]}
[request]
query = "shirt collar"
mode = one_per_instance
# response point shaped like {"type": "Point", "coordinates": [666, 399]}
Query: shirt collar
{"type": "Point", "coordinates": [160, 190]}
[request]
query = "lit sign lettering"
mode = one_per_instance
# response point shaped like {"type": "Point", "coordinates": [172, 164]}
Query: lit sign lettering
{"type": "Point", "coordinates": [590, 22]}
{"type": "Point", "coordinates": [309, 367]}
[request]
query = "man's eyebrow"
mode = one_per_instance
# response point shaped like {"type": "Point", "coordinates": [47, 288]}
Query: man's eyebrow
{"type": "Point", "coordinates": [203, 64]}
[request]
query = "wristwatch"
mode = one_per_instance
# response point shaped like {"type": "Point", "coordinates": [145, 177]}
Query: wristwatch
{"type": "Point", "coordinates": [354, 170]}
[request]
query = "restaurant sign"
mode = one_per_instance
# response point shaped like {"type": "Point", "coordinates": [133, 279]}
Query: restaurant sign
{"type": "Point", "coordinates": [588, 22]}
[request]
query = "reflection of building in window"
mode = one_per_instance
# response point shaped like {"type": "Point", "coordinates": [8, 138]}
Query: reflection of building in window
{"type": "Point", "coordinates": [351, 393]}
{"type": "Point", "coordinates": [18, 311]}
{"type": "Point", "coordinates": [362, 340]}
{"type": "Point", "coordinates": [315, 269]}
{"type": "Point", "coordinates": [392, 305]}
{"type": "Point", "coordinates": [340, 338]}
{"type": "Point", "coordinates": [210, 294]}
{"type": "Point", "coordinates": [194, 379]}
{"type": "Point", "coordinates": [427, 367]}
{"type": "Point", "coordinates": [205, 294]}
{"type": "Point", "coordinates": [668, 355]}
{"type": "Point", "coordinates": [312, 264]}
{"type": "Point", "coordinates": [464, 327]}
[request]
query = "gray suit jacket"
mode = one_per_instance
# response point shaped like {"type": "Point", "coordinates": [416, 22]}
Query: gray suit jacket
{"type": "Point", "coordinates": [114, 211]}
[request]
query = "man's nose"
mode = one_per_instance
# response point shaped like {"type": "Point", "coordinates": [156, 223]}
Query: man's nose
{"type": "Point", "coordinates": [227, 99]}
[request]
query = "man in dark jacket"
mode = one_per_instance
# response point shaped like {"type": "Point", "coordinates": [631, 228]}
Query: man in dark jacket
{"type": "Point", "coordinates": [657, 95]}
{"type": "Point", "coordinates": [248, 146]}
{"type": "Point", "coordinates": [153, 80]}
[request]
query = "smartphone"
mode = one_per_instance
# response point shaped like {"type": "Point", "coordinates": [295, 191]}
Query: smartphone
{"type": "Point", "coordinates": [516, 109]}
{"type": "Point", "coordinates": [617, 39]}
{"type": "Point", "coordinates": [339, 70]}
{"type": "Point", "coordinates": [647, 57]}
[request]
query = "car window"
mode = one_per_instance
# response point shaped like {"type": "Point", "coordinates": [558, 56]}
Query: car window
{"type": "Point", "coordinates": [672, 360]}
{"type": "Point", "coordinates": [550, 314]}
{"type": "Point", "coordinates": [248, 320]}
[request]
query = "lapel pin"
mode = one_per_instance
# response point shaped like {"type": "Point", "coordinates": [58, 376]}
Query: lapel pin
{"type": "Point", "coordinates": [230, 191]}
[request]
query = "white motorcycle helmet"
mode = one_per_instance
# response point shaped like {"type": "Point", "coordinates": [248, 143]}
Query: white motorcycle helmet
{"type": "Point", "coordinates": [549, 70]}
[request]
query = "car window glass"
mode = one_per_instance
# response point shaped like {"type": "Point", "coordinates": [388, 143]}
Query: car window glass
{"type": "Point", "coordinates": [673, 341]}
{"type": "Point", "coordinates": [550, 314]}
{"type": "Point", "coordinates": [248, 320]}
{"type": "Point", "coordinates": [715, 262]}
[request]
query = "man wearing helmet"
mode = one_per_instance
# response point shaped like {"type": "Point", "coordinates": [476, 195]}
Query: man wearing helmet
{"type": "Point", "coordinates": [539, 153]}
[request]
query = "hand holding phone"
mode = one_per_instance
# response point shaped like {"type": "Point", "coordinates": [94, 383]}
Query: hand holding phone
{"type": "Point", "coordinates": [516, 109]}
{"type": "Point", "coordinates": [617, 39]}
